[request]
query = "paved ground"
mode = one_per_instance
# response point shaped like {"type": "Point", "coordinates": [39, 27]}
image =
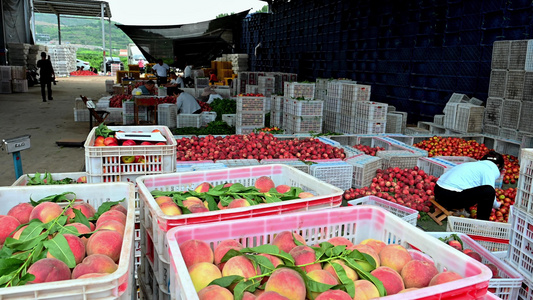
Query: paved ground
{"type": "Point", "coordinates": [47, 122]}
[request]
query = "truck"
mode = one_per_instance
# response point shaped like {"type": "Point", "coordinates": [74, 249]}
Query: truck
{"type": "Point", "coordinates": [134, 55]}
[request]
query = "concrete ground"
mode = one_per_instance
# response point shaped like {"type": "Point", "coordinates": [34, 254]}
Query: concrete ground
{"type": "Point", "coordinates": [47, 122]}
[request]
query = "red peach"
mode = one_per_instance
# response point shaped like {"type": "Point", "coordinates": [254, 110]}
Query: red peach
{"type": "Point", "coordinates": [105, 242]}
{"type": "Point", "coordinates": [241, 266]}
{"type": "Point", "coordinates": [76, 246]}
{"type": "Point", "coordinates": [162, 199]}
{"type": "Point", "coordinates": [271, 296]}
{"type": "Point", "coordinates": [223, 247]}
{"type": "Point", "coordinates": [394, 256]}
{"type": "Point", "coordinates": [8, 224]}
{"type": "Point", "coordinates": [112, 215]}
{"type": "Point", "coordinates": [339, 240]}
{"type": "Point", "coordinates": [198, 208]}
{"type": "Point", "coordinates": [264, 184]}
{"type": "Point", "coordinates": [444, 277]}
{"type": "Point", "coordinates": [49, 270]}
{"type": "Point", "coordinates": [238, 203]}
{"type": "Point", "coordinates": [96, 263]}
{"type": "Point", "coordinates": [350, 273]}
{"type": "Point", "coordinates": [334, 295]}
{"type": "Point", "coordinates": [376, 244]}
{"type": "Point", "coordinates": [191, 201]}
{"type": "Point", "coordinates": [305, 255]}
{"type": "Point", "coordinates": [202, 274]}
{"type": "Point", "coordinates": [21, 212]}
{"type": "Point", "coordinates": [392, 281]}
{"type": "Point", "coordinates": [203, 187]}
{"type": "Point", "coordinates": [195, 251]}
{"type": "Point", "coordinates": [46, 212]}
{"type": "Point", "coordinates": [170, 209]}
{"type": "Point", "coordinates": [120, 208]}
{"type": "Point", "coordinates": [215, 292]}
{"type": "Point", "coordinates": [418, 274]}
{"type": "Point", "coordinates": [286, 282]}
{"type": "Point", "coordinates": [112, 225]}
{"type": "Point", "coordinates": [283, 188]}
{"type": "Point", "coordinates": [85, 208]}
{"type": "Point", "coordinates": [322, 277]}
{"type": "Point", "coordinates": [284, 240]}
{"type": "Point", "coordinates": [365, 290]}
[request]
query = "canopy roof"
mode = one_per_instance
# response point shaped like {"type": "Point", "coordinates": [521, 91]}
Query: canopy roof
{"type": "Point", "coordinates": [85, 8]}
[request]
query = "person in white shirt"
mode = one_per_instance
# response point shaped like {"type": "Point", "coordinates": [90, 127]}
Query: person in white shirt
{"type": "Point", "coordinates": [160, 71]}
{"type": "Point", "coordinates": [186, 103]}
{"type": "Point", "coordinates": [175, 82]}
{"type": "Point", "coordinates": [187, 74]}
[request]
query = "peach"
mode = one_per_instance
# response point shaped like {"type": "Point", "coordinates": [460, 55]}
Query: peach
{"type": "Point", "coordinates": [334, 295]}
{"type": "Point", "coordinates": [365, 290]}
{"type": "Point", "coordinates": [456, 244]}
{"type": "Point", "coordinates": [418, 274]}
{"type": "Point", "coordinates": [264, 184]}
{"type": "Point", "coordinates": [105, 242]}
{"type": "Point", "coordinates": [322, 277]}
{"type": "Point", "coordinates": [76, 246]}
{"type": "Point", "coordinates": [276, 261]}
{"type": "Point", "coordinates": [283, 188]}
{"type": "Point", "coordinates": [112, 225]}
{"type": "Point", "coordinates": [305, 255]}
{"type": "Point", "coordinates": [219, 205]}
{"type": "Point", "coordinates": [238, 203]}
{"type": "Point", "coordinates": [259, 292]}
{"type": "Point", "coordinates": [198, 208]}
{"type": "Point", "coordinates": [349, 271]}
{"type": "Point", "coordinates": [112, 215]}
{"type": "Point", "coordinates": [492, 267]}
{"type": "Point", "coordinates": [285, 240]}
{"type": "Point", "coordinates": [92, 275]}
{"type": "Point", "coordinates": [367, 250]}
{"type": "Point", "coordinates": [191, 201]}
{"type": "Point", "coordinates": [162, 199]}
{"type": "Point", "coordinates": [288, 283]}
{"type": "Point", "coordinates": [303, 195]}
{"type": "Point", "coordinates": [203, 187]}
{"type": "Point", "coordinates": [394, 256]}
{"type": "Point", "coordinates": [474, 255]}
{"type": "Point", "coordinates": [202, 274]}
{"type": "Point", "coordinates": [49, 269]}
{"type": "Point", "coordinates": [444, 277]}
{"type": "Point", "coordinates": [223, 247]}
{"type": "Point", "coordinates": [271, 296]}
{"type": "Point", "coordinates": [80, 228]}
{"type": "Point", "coordinates": [241, 266]}
{"type": "Point", "coordinates": [21, 212]}
{"type": "Point", "coordinates": [82, 179]}
{"type": "Point", "coordinates": [248, 296]}
{"type": "Point", "coordinates": [8, 224]}
{"type": "Point", "coordinates": [85, 208]}
{"type": "Point", "coordinates": [215, 292]}
{"type": "Point", "coordinates": [195, 251]}
{"type": "Point", "coordinates": [170, 209]}
{"type": "Point", "coordinates": [120, 208]}
{"type": "Point", "coordinates": [392, 281]}
{"type": "Point", "coordinates": [46, 212]}
{"type": "Point", "coordinates": [407, 290]}
{"type": "Point", "coordinates": [339, 240]}
{"type": "Point", "coordinates": [17, 233]}
{"type": "Point", "coordinates": [377, 245]}
{"type": "Point", "coordinates": [96, 263]}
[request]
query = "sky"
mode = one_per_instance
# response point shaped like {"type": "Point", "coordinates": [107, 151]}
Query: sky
{"type": "Point", "coordinates": [174, 12]}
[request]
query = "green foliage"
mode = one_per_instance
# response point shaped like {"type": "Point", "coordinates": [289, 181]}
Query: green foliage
{"type": "Point", "coordinates": [223, 106]}
{"type": "Point", "coordinates": [215, 127]}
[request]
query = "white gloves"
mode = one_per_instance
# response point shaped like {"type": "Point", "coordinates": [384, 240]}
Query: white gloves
{"type": "Point", "coordinates": [496, 204]}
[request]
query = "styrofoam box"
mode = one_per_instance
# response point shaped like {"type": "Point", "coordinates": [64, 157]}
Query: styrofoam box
{"type": "Point", "coordinates": [509, 281]}
{"type": "Point", "coordinates": [117, 285]}
{"type": "Point", "coordinates": [524, 196]}
{"type": "Point", "coordinates": [23, 179]}
{"type": "Point", "coordinates": [156, 222]}
{"type": "Point", "coordinates": [103, 164]}
{"type": "Point", "coordinates": [407, 214]}
{"type": "Point", "coordinates": [492, 235]}
{"type": "Point", "coordinates": [356, 223]}
{"type": "Point", "coordinates": [520, 254]}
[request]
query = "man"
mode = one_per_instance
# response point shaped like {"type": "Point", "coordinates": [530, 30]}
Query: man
{"type": "Point", "coordinates": [186, 103]}
{"type": "Point", "coordinates": [148, 87]}
{"type": "Point", "coordinates": [187, 73]}
{"type": "Point", "coordinates": [160, 71]}
{"type": "Point", "coordinates": [47, 75]}
{"type": "Point", "coordinates": [175, 82]}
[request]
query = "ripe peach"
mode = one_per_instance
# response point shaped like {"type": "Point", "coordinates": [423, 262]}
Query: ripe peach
{"type": "Point", "coordinates": [288, 283]}
{"type": "Point", "coordinates": [339, 240]}
{"type": "Point", "coordinates": [213, 292]}
{"type": "Point", "coordinates": [334, 295]}
{"type": "Point", "coordinates": [82, 179]}
{"type": "Point", "coordinates": [112, 215]}
{"type": "Point", "coordinates": [241, 266]}
{"type": "Point", "coordinates": [407, 290]}
{"type": "Point", "coordinates": [367, 250]}
{"type": "Point", "coordinates": [112, 225]}
{"type": "Point", "coordinates": [120, 208]}
{"type": "Point", "coordinates": [21, 212]}
{"type": "Point", "coordinates": [202, 274]}
{"type": "Point", "coordinates": [96, 263]}
{"type": "Point", "coordinates": [223, 247]}
{"type": "Point", "coordinates": [85, 208]}
{"type": "Point", "coordinates": [276, 261]}
{"type": "Point", "coordinates": [162, 199]}
{"type": "Point", "coordinates": [17, 233]}
{"type": "Point", "coordinates": [271, 296]}
{"type": "Point", "coordinates": [248, 296]}
{"type": "Point", "coordinates": [191, 201]}
{"type": "Point", "coordinates": [494, 270]}
{"type": "Point", "coordinates": [203, 187]}
{"type": "Point", "coordinates": [349, 271]}
{"type": "Point", "coordinates": [284, 240]}
{"type": "Point", "coordinates": [392, 281]}
{"type": "Point", "coordinates": [322, 277]}
{"type": "Point", "coordinates": [46, 212]}
{"type": "Point", "coordinates": [76, 246]}
{"type": "Point", "coordinates": [456, 245]}
{"type": "Point", "coordinates": [195, 251]}
{"type": "Point", "coordinates": [198, 208]}
{"type": "Point", "coordinates": [444, 277]}
{"type": "Point", "coordinates": [105, 242]}
{"type": "Point", "coordinates": [238, 203]}
{"type": "Point", "coordinates": [283, 188]}
{"type": "Point", "coordinates": [170, 209]}
{"type": "Point", "coordinates": [48, 270]}
{"type": "Point", "coordinates": [474, 255]}
{"type": "Point", "coordinates": [78, 228]}
{"type": "Point", "coordinates": [8, 224]}
{"type": "Point", "coordinates": [264, 184]}
{"type": "Point", "coordinates": [418, 274]}
{"type": "Point", "coordinates": [303, 195]}
{"type": "Point", "coordinates": [259, 292]}
{"type": "Point", "coordinates": [92, 275]}
{"type": "Point", "coordinates": [394, 256]}
{"type": "Point", "coordinates": [375, 244]}
{"type": "Point", "coordinates": [365, 290]}
{"type": "Point", "coordinates": [305, 255]}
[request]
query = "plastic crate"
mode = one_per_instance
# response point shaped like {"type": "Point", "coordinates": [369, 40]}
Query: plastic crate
{"type": "Point", "coordinates": [364, 169]}
{"type": "Point", "coordinates": [293, 162]}
{"type": "Point", "coordinates": [497, 83]}
{"type": "Point", "coordinates": [250, 104]}
{"type": "Point", "coordinates": [525, 123]}
{"type": "Point", "coordinates": [524, 196]}
{"type": "Point", "coordinates": [469, 118]}
{"type": "Point", "coordinates": [167, 114]}
{"type": "Point", "coordinates": [407, 214]}
{"type": "Point", "coordinates": [103, 164]}
{"type": "Point", "coordinates": [328, 141]}
{"type": "Point", "coordinates": [5, 73]}
{"type": "Point", "coordinates": [457, 159]}
{"type": "Point", "coordinates": [297, 89]}
{"type": "Point", "coordinates": [433, 166]}
{"type": "Point", "coordinates": [493, 111]}
{"type": "Point", "coordinates": [500, 55]}
{"type": "Point", "coordinates": [387, 143]}
{"type": "Point", "coordinates": [491, 130]}
{"type": "Point", "coordinates": [303, 107]}
{"type": "Point", "coordinates": [276, 103]}
{"type": "Point", "coordinates": [158, 223]}
{"type": "Point", "coordinates": [302, 124]}
{"type": "Point", "coordinates": [509, 281]}
{"type": "Point", "coordinates": [458, 98]}
{"type": "Point", "coordinates": [399, 158]}
{"type": "Point", "coordinates": [115, 114]}
{"type": "Point", "coordinates": [520, 254]}
{"type": "Point", "coordinates": [24, 179]}
{"type": "Point", "coordinates": [417, 131]}
{"type": "Point", "coordinates": [246, 129]}
{"type": "Point", "coordinates": [250, 119]}
{"type": "Point", "coordinates": [188, 120]}
{"type": "Point", "coordinates": [81, 115]}
{"type": "Point", "coordinates": [526, 290]}
{"type": "Point", "coordinates": [494, 236]}
{"type": "Point", "coordinates": [20, 85]}
{"type": "Point", "coordinates": [394, 123]}
{"type": "Point", "coordinates": [276, 119]}
{"type": "Point", "coordinates": [350, 152]}
{"type": "Point", "coordinates": [371, 110]}
{"type": "Point", "coordinates": [232, 163]}
{"type": "Point", "coordinates": [438, 119]}
{"type": "Point", "coordinates": [338, 174]}
{"type": "Point", "coordinates": [354, 223]}
{"type": "Point", "coordinates": [508, 133]}
{"type": "Point", "coordinates": [230, 119]}
{"type": "Point", "coordinates": [119, 284]}
{"type": "Point", "coordinates": [528, 86]}
{"type": "Point", "coordinates": [207, 117]}
{"type": "Point", "coordinates": [369, 126]}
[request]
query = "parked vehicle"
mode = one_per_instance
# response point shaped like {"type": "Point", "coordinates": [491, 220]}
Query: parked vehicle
{"type": "Point", "coordinates": [85, 64]}
{"type": "Point", "coordinates": [111, 60]}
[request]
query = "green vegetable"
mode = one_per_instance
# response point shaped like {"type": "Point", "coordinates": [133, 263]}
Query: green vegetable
{"type": "Point", "coordinates": [47, 179]}
{"type": "Point", "coordinates": [103, 130]}
{"type": "Point", "coordinates": [223, 107]}
{"type": "Point", "coordinates": [215, 127]}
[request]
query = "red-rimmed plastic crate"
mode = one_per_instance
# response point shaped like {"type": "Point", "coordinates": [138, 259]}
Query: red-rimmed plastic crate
{"type": "Point", "coordinates": [524, 196]}
{"type": "Point", "coordinates": [407, 214]}
{"type": "Point", "coordinates": [492, 235]}
{"type": "Point", "coordinates": [520, 254]}
{"type": "Point", "coordinates": [24, 179]}
{"type": "Point", "coordinates": [157, 223]}
{"type": "Point", "coordinates": [508, 284]}
{"type": "Point", "coordinates": [117, 285]}
{"type": "Point", "coordinates": [434, 166]}
{"type": "Point", "coordinates": [356, 223]}
{"type": "Point", "coordinates": [293, 162]}
{"type": "Point", "coordinates": [364, 169]}
{"type": "Point", "coordinates": [526, 290]}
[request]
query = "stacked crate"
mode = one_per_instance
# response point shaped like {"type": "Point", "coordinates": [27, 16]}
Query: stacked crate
{"type": "Point", "coordinates": [359, 115]}
{"type": "Point", "coordinates": [462, 116]}
{"type": "Point", "coordinates": [301, 114]}
{"type": "Point", "coordinates": [332, 106]}
{"type": "Point", "coordinates": [250, 114]}
{"type": "Point", "coordinates": [321, 88]}
{"type": "Point", "coordinates": [34, 53]}
{"type": "Point", "coordinates": [167, 114]}
{"type": "Point", "coordinates": [18, 54]}
{"type": "Point", "coordinates": [276, 111]}
{"type": "Point", "coordinates": [63, 59]}
{"type": "Point", "coordinates": [5, 80]}
{"type": "Point", "coordinates": [266, 85]}
{"type": "Point", "coordinates": [252, 78]}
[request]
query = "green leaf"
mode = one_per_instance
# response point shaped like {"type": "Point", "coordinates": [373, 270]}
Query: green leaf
{"type": "Point", "coordinates": [263, 262]}
{"type": "Point", "coordinates": [26, 278]}
{"type": "Point", "coordinates": [237, 188]}
{"type": "Point", "coordinates": [79, 217]}
{"type": "Point", "coordinates": [315, 286]}
{"type": "Point", "coordinates": [272, 199]}
{"type": "Point", "coordinates": [225, 201]}
{"type": "Point", "coordinates": [17, 245]}
{"type": "Point", "coordinates": [231, 253]}
{"type": "Point", "coordinates": [6, 252]}
{"type": "Point", "coordinates": [55, 226]}
{"type": "Point", "coordinates": [297, 242]}
{"type": "Point", "coordinates": [38, 253]}
{"type": "Point", "coordinates": [365, 275]}
{"type": "Point", "coordinates": [345, 281]}
{"type": "Point", "coordinates": [212, 204]}
{"type": "Point", "coordinates": [59, 248]}
{"type": "Point", "coordinates": [226, 281]}
{"type": "Point", "coordinates": [359, 256]}
{"type": "Point", "coordinates": [34, 229]}
{"type": "Point", "coordinates": [9, 265]}
{"type": "Point", "coordinates": [243, 286]}
{"type": "Point", "coordinates": [105, 207]}
{"type": "Point", "coordinates": [55, 198]}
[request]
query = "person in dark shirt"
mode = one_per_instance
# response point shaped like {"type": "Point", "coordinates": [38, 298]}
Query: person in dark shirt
{"type": "Point", "coordinates": [47, 75]}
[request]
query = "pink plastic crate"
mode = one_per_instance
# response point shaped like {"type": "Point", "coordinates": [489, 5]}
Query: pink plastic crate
{"type": "Point", "coordinates": [407, 214]}
{"type": "Point", "coordinates": [354, 223]}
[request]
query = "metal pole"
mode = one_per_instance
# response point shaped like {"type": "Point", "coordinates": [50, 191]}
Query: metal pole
{"type": "Point", "coordinates": [110, 48]}
{"type": "Point", "coordinates": [17, 161]}
{"type": "Point", "coordinates": [33, 23]}
{"type": "Point", "coordinates": [3, 42]}
{"type": "Point", "coordinates": [59, 28]}
{"type": "Point", "coordinates": [103, 37]}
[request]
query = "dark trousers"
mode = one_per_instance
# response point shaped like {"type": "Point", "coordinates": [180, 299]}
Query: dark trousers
{"type": "Point", "coordinates": [161, 80]}
{"type": "Point", "coordinates": [47, 84]}
{"type": "Point", "coordinates": [483, 196]}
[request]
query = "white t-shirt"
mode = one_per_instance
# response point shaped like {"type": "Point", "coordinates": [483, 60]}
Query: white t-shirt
{"type": "Point", "coordinates": [469, 175]}
{"type": "Point", "coordinates": [187, 72]}
{"type": "Point", "coordinates": [187, 104]}
{"type": "Point", "coordinates": [160, 70]}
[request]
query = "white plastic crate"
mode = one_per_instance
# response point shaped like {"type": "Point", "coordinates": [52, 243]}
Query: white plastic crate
{"type": "Point", "coordinates": [394, 123]}
{"type": "Point", "coordinates": [355, 92]}
{"type": "Point", "coordinates": [387, 143]}
{"type": "Point", "coordinates": [524, 196]}
{"type": "Point", "coordinates": [370, 126]}
{"type": "Point", "coordinates": [115, 114]}
{"type": "Point", "coordinates": [157, 223]}
{"type": "Point", "coordinates": [24, 179]}
{"type": "Point", "coordinates": [302, 124]}
{"type": "Point", "coordinates": [167, 115]}
{"type": "Point", "coordinates": [520, 254]}
{"type": "Point", "coordinates": [5, 73]}
{"type": "Point", "coordinates": [276, 103]}
{"type": "Point", "coordinates": [371, 110]}
{"type": "Point", "coordinates": [418, 130]}
{"type": "Point", "coordinates": [119, 284]}
{"type": "Point", "coordinates": [246, 129]}
{"type": "Point", "coordinates": [303, 107]}
{"type": "Point", "coordinates": [250, 104]}
{"type": "Point", "coordinates": [20, 85]}
{"type": "Point", "coordinates": [354, 223]}
{"type": "Point", "coordinates": [510, 113]}
{"type": "Point", "coordinates": [293, 162]}
{"type": "Point", "coordinates": [438, 119]}
{"type": "Point", "coordinates": [526, 290]}
{"type": "Point", "coordinates": [494, 236]}
{"type": "Point", "coordinates": [232, 163]}
{"type": "Point", "coordinates": [207, 117]}
{"type": "Point", "coordinates": [407, 214]}
{"type": "Point", "coordinates": [298, 89]}
{"type": "Point", "coordinates": [249, 119]}
{"type": "Point", "coordinates": [230, 119]}
{"type": "Point", "coordinates": [81, 115]}
{"type": "Point", "coordinates": [469, 118]}
{"type": "Point", "coordinates": [364, 169]}
{"type": "Point", "coordinates": [338, 174]}
{"type": "Point", "coordinates": [276, 119]}
{"type": "Point", "coordinates": [509, 282]}
{"type": "Point", "coordinates": [433, 166]}
{"type": "Point", "coordinates": [399, 158]}
{"type": "Point", "coordinates": [351, 152]}
{"type": "Point", "coordinates": [188, 120]}
{"type": "Point", "coordinates": [5, 87]}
